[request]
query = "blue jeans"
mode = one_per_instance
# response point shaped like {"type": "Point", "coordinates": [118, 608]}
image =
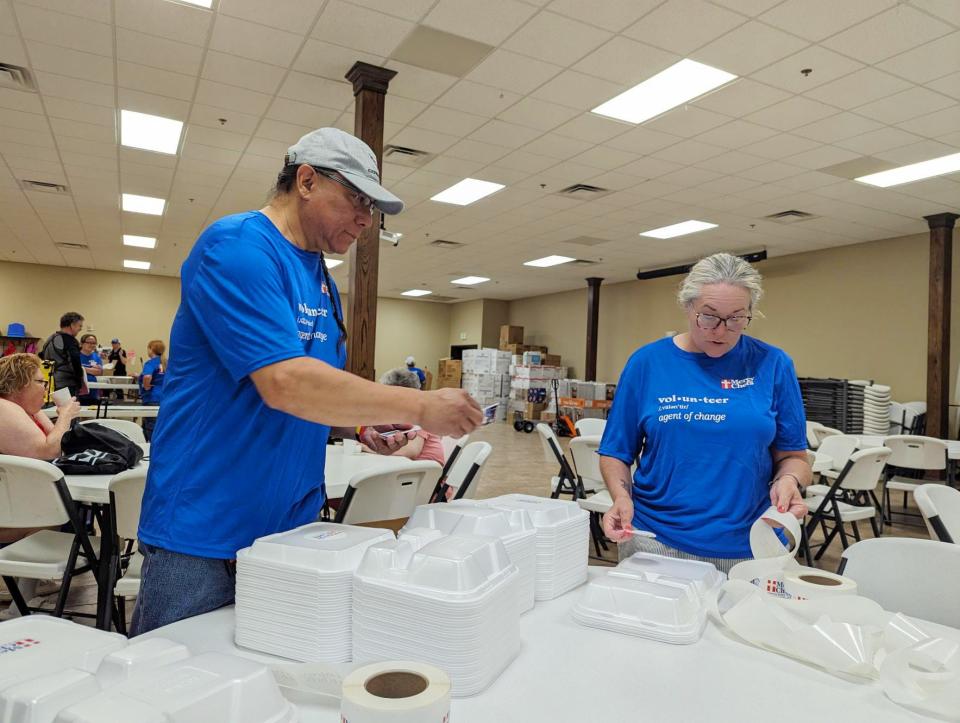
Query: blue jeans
{"type": "Point", "coordinates": [175, 586]}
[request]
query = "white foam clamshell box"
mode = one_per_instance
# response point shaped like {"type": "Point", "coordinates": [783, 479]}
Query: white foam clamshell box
{"type": "Point", "coordinates": [562, 542]}
{"type": "Point", "coordinates": [467, 517]}
{"type": "Point", "coordinates": [55, 671]}
{"type": "Point", "coordinates": [295, 590]}
{"type": "Point", "coordinates": [651, 596]}
{"type": "Point", "coordinates": [451, 603]}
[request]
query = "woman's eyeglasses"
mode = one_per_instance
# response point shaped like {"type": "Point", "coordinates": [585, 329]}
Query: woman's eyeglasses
{"type": "Point", "coordinates": [43, 383]}
{"type": "Point", "coordinates": [733, 323]}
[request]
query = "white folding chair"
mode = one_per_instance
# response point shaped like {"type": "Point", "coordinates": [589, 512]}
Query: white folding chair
{"type": "Point", "coordinates": [850, 499]}
{"type": "Point", "coordinates": [375, 496]}
{"type": "Point", "coordinates": [130, 430]}
{"type": "Point", "coordinates": [586, 462]}
{"type": "Point", "coordinates": [912, 457]}
{"type": "Point", "coordinates": [35, 494]}
{"type": "Point", "coordinates": [126, 493]}
{"type": "Point", "coordinates": [589, 427]}
{"type": "Point", "coordinates": [838, 447]}
{"type": "Point", "coordinates": [817, 432]}
{"type": "Point", "coordinates": [565, 482]}
{"type": "Point", "coordinates": [464, 475]}
{"type": "Point", "coordinates": [940, 507]}
{"type": "Point", "coordinates": [920, 578]}
{"type": "Point", "coordinates": [451, 450]}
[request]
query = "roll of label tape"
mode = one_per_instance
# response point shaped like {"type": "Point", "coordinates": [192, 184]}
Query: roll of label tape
{"type": "Point", "coordinates": [396, 692]}
{"type": "Point", "coordinates": [806, 583]}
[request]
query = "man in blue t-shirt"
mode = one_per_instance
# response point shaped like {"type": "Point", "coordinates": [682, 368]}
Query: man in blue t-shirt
{"type": "Point", "coordinates": [255, 382]}
{"type": "Point", "coordinates": [412, 366]}
{"type": "Point", "coordinates": [713, 420]}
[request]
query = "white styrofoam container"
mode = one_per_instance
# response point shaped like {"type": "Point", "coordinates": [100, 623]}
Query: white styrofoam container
{"type": "Point", "coordinates": [322, 546]}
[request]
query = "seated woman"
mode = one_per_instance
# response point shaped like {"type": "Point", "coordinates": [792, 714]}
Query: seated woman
{"type": "Point", "coordinates": [92, 367]}
{"type": "Point", "coordinates": [424, 445]}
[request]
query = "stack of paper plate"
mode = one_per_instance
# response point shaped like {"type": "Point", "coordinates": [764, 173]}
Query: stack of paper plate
{"type": "Point", "coordinates": [452, 603]}
{"type": "Point", "coordinates": [294, 590]}
{"type": "Point", "coordinates": [563, 539]}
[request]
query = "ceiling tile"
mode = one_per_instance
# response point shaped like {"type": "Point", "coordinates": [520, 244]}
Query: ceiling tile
{"type": "Point", "coordinates": [643, 140]}
{"type": "Point", "coordinates": [736, 134]}
{"type": "Point", "coordinates": [424, 140]}
{"type": "Point", "coordinates": [63, 128]}
{"type": "Point", "coordinates": [20, 100]}
{"type": "Point", "coordinates": [605, 158]}
{"type": "Point", "coordinates": [402, 110]}
{"type": "Point", "coordinates": [295, 112]}
{"type": "Point", "coordinates": [150, 103]}
{"type": "Point", "coordinates": [780, 146]}
{"type": "Point", "coordinates": [478, 99]}
{"type": "Point", "coordinates": [242, 72]}
{"type": "Point", "coordinates": [539, 114]}
{"type": "Point", "coordinates": [68, 31]}
{"type": "Point", "coordinates": [72, 63]}
{"type": "Point", "coordinates": [837, 127]}
{"type": "Point", "coordinates": [220, 138]}
{"type": "Point", "coordinates": [825, 64]}
{"type": "Point", "coordinates": [948, 84]}
{"type": "Point", "coordinates": [916, 152]}
{"type": "Point", "coordinates": [360, 28]}
{"type": "Point", "coordinates": [559, 147]}
{"type": "Point", "coordinates": [822, 157]}
{"type": "Point", "coordinates": [86, 112]}
{"type": "Point", "coordinates": [689, 152]}
{"type": "Point", "coordinates": [731, 162]}
{"type": "Point", "coordinates": [476, 151]}
{"type": "Point", "coordinates": [231, 97]}
{"type": "Point", "coordinates": [818, 19]}
{"type": "Point", "coordinates": [858, 88]}
{"type": "Point", "coordinates": [249, 40]}
{"type": "Point", "coordinates": [448, 120]}
{"type": "Point", "coordinates": [490, 22]}
{"type": "Point", "coordinates": [792, 113]}
{"type": "Point", "coordinates": [879, 140]}
{"type": "Point", "coordinates": [626, 61]}
{"type": "Point", "coordinates": [210, 116]}
{"type": "Point", "coordinates": [927, 61]}
{"type": "Point", "coordinates": [293, 15]}
{"type": "Point", "coordinates": [519, 73]}
{"type": "Point", "coordinates": [593, 128]}
{"type": "Point", "coordinates": [505, 134]}
{"type": "Point", "coordinates": [894, 31]}
{"type": "Point", "coordinates": [158, 52]}
{"type": "Point", "coordinates": [174, 21]}
{"type": "Point", "coordinates": [751, 8]}
{"type": "Point", "coordinates": [320, 91]}
{"type": "Point", "coordinates": [418, 83]}
{"type": "Point", "coordinates": [681, 26]}
{"type": "Point", "coordinates": [577, 90]}
{"type": "Point", "coordinates": [556, 39]}
{"type": "Point", "coordinates": [613, 15]}
{"type": "Point", "coordinates": [155, 80]}
{"type": "Point", "coordinates": [408, 9]}
{"type": "Point", "coordinates": [329, 60]}
{"type": "Point", "coordinates": [59, 86]}
{"type": "Point", "coordinates": [933, 125]}
{"type": "Point", "coordinates": [748, 48]}
{"type": "Point", "coordinates": [741, 97]}
{"type": "Point", "coordinates": [905, 105]}
{"type": "Point", "coordinates": [687, 121]}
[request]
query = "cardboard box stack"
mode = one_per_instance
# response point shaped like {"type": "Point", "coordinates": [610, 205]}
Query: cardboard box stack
{"type": "Point", "coordinates": [448, 373]}
{"type": "Point", "coordinates": [486, 377]}
{"type": "Point", "coordinates": [532, 371]}
{"type": "Point", "coordinates": [595, 391]}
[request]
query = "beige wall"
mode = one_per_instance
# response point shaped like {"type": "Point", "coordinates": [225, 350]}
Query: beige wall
{"type": "Point", "coordinates": [418, 328]}
{"type": "Point", "coordinates": [852, 312]}
{"type": "Point", "coordinates": [134, 307]}
{"type": "Point", "coordinates": [466, 318]}
{"type": "Point", "coordinates": [496, 313]}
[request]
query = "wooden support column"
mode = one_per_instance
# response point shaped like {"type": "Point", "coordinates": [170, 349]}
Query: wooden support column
{"type": "Point", "coordinates": [938, 323]}
{"type": "Point", "coordinates": [593, 325]}
{"type": "Point", "coordinates": [369, 89]}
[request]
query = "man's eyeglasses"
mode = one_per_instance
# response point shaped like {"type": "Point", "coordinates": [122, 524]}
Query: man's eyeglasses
{"type": "Point", "coordinates": [733, 323]}
{"type": "Point", "coordinates": [43, 383]}
{"type": "Point", "coordinates": [361, 201]}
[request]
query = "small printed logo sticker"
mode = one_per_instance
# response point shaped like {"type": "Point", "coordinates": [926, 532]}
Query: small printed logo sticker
{"type": "Point", "coordinates": [736, 383]}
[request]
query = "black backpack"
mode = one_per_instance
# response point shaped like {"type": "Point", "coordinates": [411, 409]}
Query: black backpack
{"type": "Point", "coordinates": [95, 449]}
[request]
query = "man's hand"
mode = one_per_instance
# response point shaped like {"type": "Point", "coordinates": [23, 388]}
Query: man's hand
{"type": "Point", "coordinates": [450, 412]}
{"type": "Point", "coordinates": [618, 520]}
{"type": "Point", "coordinates": [785, 496]}
{"type": "Point", "coordinates": [385, 445]}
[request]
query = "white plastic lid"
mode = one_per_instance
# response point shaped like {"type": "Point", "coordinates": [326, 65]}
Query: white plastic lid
{"type": "Point", "coordinates": [635, 604]}
{"type": "Point", "coordinates": [324, 546]}
{"type": "Point", "coordinates": [39, 644]}
{"type": "Point", "coordinates": [469, 520]}
{"type": "Point", "coordinates": [543, 511]}
{"type": "Point", "coordinates": [38, 700]}
{"type": "Point", "coordinates": [701, 576]}
{"type": "Point", "coordinates": [138, 657]}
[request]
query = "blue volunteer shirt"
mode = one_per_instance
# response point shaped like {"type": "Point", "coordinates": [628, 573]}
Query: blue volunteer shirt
{"type": "Point", "coordinates": [153, 369]}
{"type": "Point", "coordinates": [706, 428]}
{"type": "Point", "coordinates": [225, 469]}
{"type": "Point", "coordinates": [91, 360]}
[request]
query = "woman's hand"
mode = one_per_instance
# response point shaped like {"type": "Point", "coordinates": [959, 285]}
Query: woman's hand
{"type": "Point", "coordinates": [785, 496]}
{"type": "Point", "coordinates": [618, 520]}
{"type": "Point", "coordinates": [385, 445]}
{"type": "Point", "coordinates": [68, 411]}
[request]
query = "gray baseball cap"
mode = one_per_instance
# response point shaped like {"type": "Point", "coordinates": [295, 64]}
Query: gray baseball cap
{"type": "Point", "coordinates": [335, 150]}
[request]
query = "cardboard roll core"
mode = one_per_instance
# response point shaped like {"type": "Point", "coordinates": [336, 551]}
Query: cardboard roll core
{"type": "Point", "coordinates": [820, 580]}
{"type": "Point", "coordinates": [396, 684]}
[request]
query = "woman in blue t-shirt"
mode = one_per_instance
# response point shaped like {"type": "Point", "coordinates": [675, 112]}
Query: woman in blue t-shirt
{"type": "Point", "coordinates": [151, 382]}
{"type": "Point", "coordinates": [714, 421]}
{"type": "Point", "coordinates": [92, 367]}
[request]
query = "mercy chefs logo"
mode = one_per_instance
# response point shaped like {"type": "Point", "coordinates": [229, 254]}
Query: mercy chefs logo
{"type": "Point", "coordinates": [17, 645]}
{"type": "Point", "coordinates": [736, 383]}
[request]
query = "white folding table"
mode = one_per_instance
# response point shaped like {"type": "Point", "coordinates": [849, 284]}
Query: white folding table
{"type": "Point", "coordinates": [342, 466]}
{"type": "Point", "coordinates": [567, 672]}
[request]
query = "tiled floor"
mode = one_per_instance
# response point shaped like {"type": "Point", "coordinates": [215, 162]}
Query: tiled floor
{"type": "Point", "coordinates": [517, 464]}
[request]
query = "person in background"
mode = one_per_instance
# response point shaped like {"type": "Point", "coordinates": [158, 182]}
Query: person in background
{"type": "Point", "coordinates": [425, 445]}
{"type": "Point", "coordinates": [62, 349]}
{"type": "Point", "coordinates": [92, 366]}
{"type": "Point", "coordinates": [412, 366]}
{"type": "Point", "coordinates": [720, 423]}
{"type": "Point", "coordinates": [118, 357]}
{"type": "Point", "coordinates": [151, 382]}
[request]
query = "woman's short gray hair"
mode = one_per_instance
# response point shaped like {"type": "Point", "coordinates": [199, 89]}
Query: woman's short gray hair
{"type": "Point", "coordinates": [401, 378]}
{"type": "Point", "coordinates": [722, 268]}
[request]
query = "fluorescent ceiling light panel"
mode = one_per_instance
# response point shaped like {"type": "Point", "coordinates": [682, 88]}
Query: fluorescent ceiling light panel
{"type": "Point", "coordinates": [914, 172]}
{"type": "Point", "coordinates": [678, 84]}
{"type": "Point", "coordinates": [333, 263]}
{"type": "Point", "coordinates": [143, 204]}
{"type": "Point", "coordinates": [549, 261]}
{"type": "Point", "coordinates": [131, 264]}
{"type": "Point", "coordinates": [143, 242]}
{"type": "Point", "coordinates": [198, 3]}
{"type": "Point", "coordinates": [150, 132]}
{"type": "Point", "coordinates": [679, 229]}
{"type": "Point", "coordinates": [467, 191]}
{"type": "Point", "coordinates": [416, 292]}
{"type": "Point", "coordinates": [470, 280]}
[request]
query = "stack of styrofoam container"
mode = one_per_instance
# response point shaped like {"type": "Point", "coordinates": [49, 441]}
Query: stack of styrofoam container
{"type": "Point", "coordinates": [452, 603]}
{"type": "Point", "coordinates": [294, 590]}
{"type": "Point", "coordinates": [55, 670]}
{"type": "Point", "coordinates": [563, 537]}
{"type": "Point", "coordinates": [469, 517]}
{"type": "Point", "coordinates": [651, 596]}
